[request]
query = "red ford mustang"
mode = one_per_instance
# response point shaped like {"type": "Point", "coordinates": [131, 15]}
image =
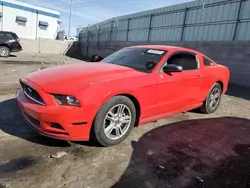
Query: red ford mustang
{"type": "Point", "coordinates": [132, 86]}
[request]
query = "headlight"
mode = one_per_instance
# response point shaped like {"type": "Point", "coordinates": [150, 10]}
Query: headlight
{"type": "Point", "coordinates": [66, 100]}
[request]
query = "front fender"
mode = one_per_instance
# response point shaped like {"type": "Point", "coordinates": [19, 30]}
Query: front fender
{"type": "Point", "coordinates": [120, 92]}
{"type": "Point", "coordinates": [95, 96]}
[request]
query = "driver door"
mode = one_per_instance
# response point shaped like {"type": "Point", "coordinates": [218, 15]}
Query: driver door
{"type": "Point", "coordinates": [179, 89]}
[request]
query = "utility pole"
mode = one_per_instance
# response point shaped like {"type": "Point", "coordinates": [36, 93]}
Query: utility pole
{"type": "Point", "coordinates": [70, 11]}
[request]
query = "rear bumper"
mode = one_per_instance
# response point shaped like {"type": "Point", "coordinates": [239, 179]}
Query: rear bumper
{"type": "Point", "coordinates": [16, 50]}
{"type": "Point", "coordinates": [60, 122]}
{"type": "Point", "coordinates": [16, 47]}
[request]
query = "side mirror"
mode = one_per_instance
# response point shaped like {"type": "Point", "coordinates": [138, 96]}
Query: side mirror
{"type": "Point", "coordinates": [172, 68]}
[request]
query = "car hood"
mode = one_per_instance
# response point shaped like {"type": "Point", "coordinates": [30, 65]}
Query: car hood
{"type": "Point", "coordinates": [76, 76]}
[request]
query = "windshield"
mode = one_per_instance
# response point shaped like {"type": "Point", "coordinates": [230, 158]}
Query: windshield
{"type": "Point", "coordinates": [142, 59]}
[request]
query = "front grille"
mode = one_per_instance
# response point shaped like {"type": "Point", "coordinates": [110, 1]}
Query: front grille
{"type": "Point", "coordinates": [34, 121]}
{"type": "Point", "coordinates": [32, 94]}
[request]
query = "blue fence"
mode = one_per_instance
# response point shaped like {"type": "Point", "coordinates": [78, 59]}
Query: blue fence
{"type": "Point", "coordinates": [200, 20]}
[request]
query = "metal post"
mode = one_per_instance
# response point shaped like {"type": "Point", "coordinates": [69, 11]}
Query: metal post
{"type": "Point", "coordinates": [183, 24]}
{"type": "Point", "coordinates": [70, 11]}
{"type": "Point", "coordinates": [127, 29]}
{"type": "Point", "coordinates": [39, 46]}
{"type": "Point", "coordinates": [149, 27]}
{"type": "Point", "coordinates": [36, 24]}
{"type": "Point", "coordinates": [237, 20]}
{"type": "Point", "coordinates": [87, 49]}
{"type": "Point", "coordinates": [2, 18]}
{"type": "Point", "coordinates": [98, 38]}
{"type": "Point", "coordinates": [111, 33]}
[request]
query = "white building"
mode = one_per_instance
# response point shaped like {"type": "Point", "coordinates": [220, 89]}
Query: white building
{"type": "Point", "coordinates": [28, 21]}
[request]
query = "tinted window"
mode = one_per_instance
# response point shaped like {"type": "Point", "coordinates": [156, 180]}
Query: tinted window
{"type": "Point", "coordinates": [207, 62]}
{"type": "Point", "coordinates": [9, 35]}
{"type": "Point", "coordinates": [187, 61]}
{"type": "Point", "coordinates": [141, 59]}
{"type": "Point", "coordinates": [14, 35]}
{"type": "Point", "coordinates": [6, 35]}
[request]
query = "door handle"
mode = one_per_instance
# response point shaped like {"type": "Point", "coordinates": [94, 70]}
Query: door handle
{"type": "Point", "coordinates": [198, 76]}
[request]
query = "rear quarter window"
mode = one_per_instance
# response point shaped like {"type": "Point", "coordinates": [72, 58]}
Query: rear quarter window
{"type": "Point", "coordinates": [14, 36]}
{"type": "Point", "coordinates": [207, 62]}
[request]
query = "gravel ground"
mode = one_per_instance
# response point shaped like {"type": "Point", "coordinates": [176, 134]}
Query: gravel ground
{"type": "Point", "coordinates": [185, 150]}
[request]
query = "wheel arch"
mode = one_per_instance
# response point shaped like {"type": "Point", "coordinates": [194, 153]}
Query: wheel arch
{"type": "Point", "coordinates": [129, 94]}
{"type": "Point", "coordinates": [131, 97]}
{"type": "Point", "coordinates": [5, 46]}
{"type": "Point", "coordinates": [205, 107]}
{"type": "Point", "coordinates": [221, 84]}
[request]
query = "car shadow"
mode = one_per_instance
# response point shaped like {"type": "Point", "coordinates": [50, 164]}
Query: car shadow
{"type": "Point", "coordinates": [239, 91]}
{"type": "Point", "coordinates": [12, 123]}
{"type": "Point", "coordinates": [12, 55]}
{"type": "Point", "coordinates": [195, 153]}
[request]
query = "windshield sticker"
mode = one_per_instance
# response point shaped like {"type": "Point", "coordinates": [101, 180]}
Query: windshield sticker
{"type": "Point", "coordinates": [157, 52]}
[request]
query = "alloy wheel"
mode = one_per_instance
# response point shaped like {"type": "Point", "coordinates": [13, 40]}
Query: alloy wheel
{"type": "Point", "coordinates": [117, 121]}
{"type": "Point", "coordinates": [214, 99]}
{"type": "Point", "coordinates": [4, 51]}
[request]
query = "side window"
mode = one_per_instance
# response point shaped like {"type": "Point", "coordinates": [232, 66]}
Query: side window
{"type": "Point", "coordinates": [9, 35]}
{"type": "Point", "coordinates": [6, 35]}
{"type": "Point", "coordinates": [207, 62]}
{"type": "Point", "coordinates": [187, 61]}
{"type": "Point", "coordinates": [2, 36]}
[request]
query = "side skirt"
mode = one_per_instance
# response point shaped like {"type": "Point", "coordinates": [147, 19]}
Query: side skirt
{"type": "Point", "coordinates": [162, 116]}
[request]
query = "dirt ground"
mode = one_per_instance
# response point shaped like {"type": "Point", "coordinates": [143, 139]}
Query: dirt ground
{"type": "Point", "coordinates": [185, 150]}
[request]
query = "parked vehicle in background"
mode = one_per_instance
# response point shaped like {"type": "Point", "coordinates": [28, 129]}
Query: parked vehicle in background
{"type": "Point", "coordinates": [70, 38]}
{"type": "Point", "coordinates": [96, 58]}
{"type": "Point", "coordinates": [135, 85]}
{"type": "Point", "coordinates": [9, 42]}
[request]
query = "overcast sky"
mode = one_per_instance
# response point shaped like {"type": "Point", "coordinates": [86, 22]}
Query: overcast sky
{"type": "Point", "coordinates": [86, 12]}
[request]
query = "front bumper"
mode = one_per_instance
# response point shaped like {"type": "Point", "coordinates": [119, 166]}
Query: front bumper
{"type": "Point", "coordinates": [60, 122]}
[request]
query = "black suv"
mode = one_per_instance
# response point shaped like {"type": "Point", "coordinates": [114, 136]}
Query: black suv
{"type": "Point", "coordinates": [9, 42]}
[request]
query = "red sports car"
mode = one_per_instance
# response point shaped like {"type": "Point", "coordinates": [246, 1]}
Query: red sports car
{"type": "Point", "coordinates": [132, 86]}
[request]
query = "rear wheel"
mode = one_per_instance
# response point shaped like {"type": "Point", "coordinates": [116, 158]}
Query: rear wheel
{"type": "Point", "coordinates": [4, 51]}
{"type": "Point", "coordinates": [114, 121]}
{"type": "Point", "coordinates": [213, 99]}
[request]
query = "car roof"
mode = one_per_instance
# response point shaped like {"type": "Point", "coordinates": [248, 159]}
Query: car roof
{"type": "Point", "coordinates": [6, 32]}
{"type": "Point", "coordinates": [164, 47]}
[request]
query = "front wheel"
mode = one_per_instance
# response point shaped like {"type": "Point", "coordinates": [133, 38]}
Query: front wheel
{"type": "Point", "coordinates": [114, 121]}
{"type": "Point", "coordinates": [213, 99]}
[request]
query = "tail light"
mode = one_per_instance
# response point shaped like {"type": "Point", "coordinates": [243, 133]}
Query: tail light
{"type": "Point", "coordinates": [18, 40]}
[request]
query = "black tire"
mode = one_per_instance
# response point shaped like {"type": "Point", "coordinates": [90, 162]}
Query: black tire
{"type": "Point", "coordinates": [98, 133]}
{"type": "Point", "coordinates": [4, 51]}
{"type": "Point", "coordinates": [206, 107]}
